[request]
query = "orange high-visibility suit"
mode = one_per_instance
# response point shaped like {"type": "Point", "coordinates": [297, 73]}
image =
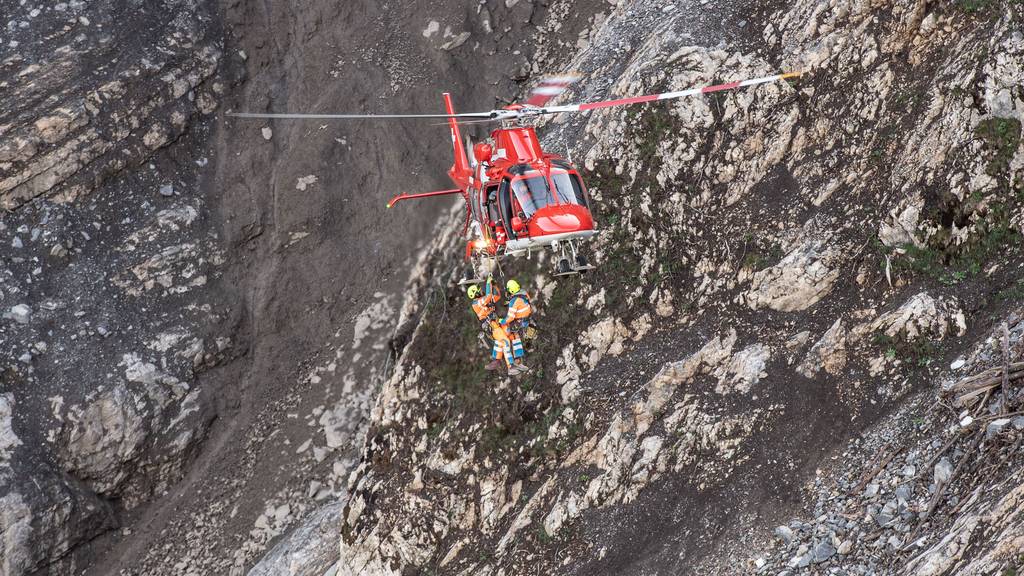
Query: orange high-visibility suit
{"type": "Point", "coordinates": [517, 320]}
{"type": "Point", "coordinates": [483, 307]}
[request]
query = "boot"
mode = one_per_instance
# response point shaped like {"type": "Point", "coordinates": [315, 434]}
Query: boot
{"type": "Point", "coordinates": [493, 365]}
{"type": "Point", "coordinates": [517, 369]}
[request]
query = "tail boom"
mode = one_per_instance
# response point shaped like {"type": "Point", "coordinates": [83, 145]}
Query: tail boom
{"type": "Point", "coordinates": [460, 172]}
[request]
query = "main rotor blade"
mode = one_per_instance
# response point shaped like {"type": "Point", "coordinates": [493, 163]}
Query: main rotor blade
{"type": "Point", "coordinates": [668, 95]}
{"type": "Point", "coordinates": [549, 88]}
{"type": "Point", "coordinates": [287, 116]}
{"type": "Point", "coordinates": [467, 122]}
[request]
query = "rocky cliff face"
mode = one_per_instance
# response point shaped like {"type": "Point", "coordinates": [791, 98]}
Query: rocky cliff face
{"type": "Point", "coordinates": [197, 313]}
{"type": "Point", "coordinates": [106, 267]}
{"type": "Point", "coordinates": [219, 358]}
{"type": "Point", "coordinates": [785, 276]}
{"type": "Point", "coordinates": [94, 88]}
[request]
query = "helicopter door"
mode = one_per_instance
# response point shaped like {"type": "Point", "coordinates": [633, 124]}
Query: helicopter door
{"type": "Point", "coordinates": [475, 206]}
{"type": "Point", "coordinates": [505, 207]}
{"type": "Point", "coordinates": [491, 200]}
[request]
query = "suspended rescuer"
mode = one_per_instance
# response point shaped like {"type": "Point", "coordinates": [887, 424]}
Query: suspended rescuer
{"type": "Point", "coordinates": [484, 302]}
{"type": "Point", "coordinates": [517, 319]}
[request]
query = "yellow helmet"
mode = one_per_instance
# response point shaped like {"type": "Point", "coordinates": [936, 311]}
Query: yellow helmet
{"type": "Point", "coordinates": [512, 286]}
{"type": "Point", "coordinates": [473, 291]}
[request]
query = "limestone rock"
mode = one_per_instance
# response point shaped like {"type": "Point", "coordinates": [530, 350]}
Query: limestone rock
{"type": "Point", "coordinates": [16, 555]}
{"type": "Point", "coordinates": [8, 440]}
{"type": "Point", "coordinates": [920, 316]}
{"type": "Point", "coordinates": [65, 144]}
{"type": "Point", "coordinates": [102, 437]}
{"type": "Point", "coordinates": [338, 425]}
{"type": "Point", "coordinates": [829, 352]}
{"type": "Point", "coordinates": [607, 337]}
{"type": "Point", "coordinates": [41, 524]}
{"type": "Point", "coordinates": [309, 550]}
{"type": "Point", "coordinates": [799, 281]}
{"type": "Point", "coordinates": [744, 369]}
{"type": "Point", "coordinates": [19, 313]}
{"type": "Point", "coordinates": [900, 228]}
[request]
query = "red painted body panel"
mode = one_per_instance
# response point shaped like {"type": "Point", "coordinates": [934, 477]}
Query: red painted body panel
{"type": "Point", "coordinates": [516, 146]}
{"type": "Point", "coordinates": [559, 219]}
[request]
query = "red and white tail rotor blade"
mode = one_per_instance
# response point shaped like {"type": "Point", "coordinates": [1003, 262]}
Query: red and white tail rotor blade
{"type": "Point", "coordinates": [549, 88]}
{"type": "Point", "coordinates": [668, 95]}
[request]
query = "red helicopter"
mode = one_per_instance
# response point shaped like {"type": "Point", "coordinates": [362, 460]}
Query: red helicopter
{"type": "Point", "coordinates": [520, 199]}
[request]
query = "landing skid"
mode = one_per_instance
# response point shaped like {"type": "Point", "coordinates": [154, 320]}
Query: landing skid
{"type": "Point", "coordinates": [570, 261]}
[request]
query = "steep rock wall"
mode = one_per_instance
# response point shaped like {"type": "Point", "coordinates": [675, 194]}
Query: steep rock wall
{"type": "Point", "coordinates": [779, 269]}
{"type": "Point", "coordinates": [197, 312]}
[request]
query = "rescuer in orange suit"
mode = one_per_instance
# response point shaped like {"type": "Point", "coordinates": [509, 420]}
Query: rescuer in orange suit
{"type": "Point", "coordinates": [484, 302]}
{"type": "Point", "coordinates": [517, 319]}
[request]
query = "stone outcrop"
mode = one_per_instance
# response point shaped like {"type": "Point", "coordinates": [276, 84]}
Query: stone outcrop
{"type": "Point", "coordinates": [921, 316]}
{"type": "Point", "coordinates": [41, 521]}
{"type": "Point", "coordinates": [16, 527]}
{"type": "Point", "coordinates": [8, 439]}
{"type": "Point", "coordinates": [102, 437]}
{"type": "Point", "coordinates": [108, 440]}
{"type": "Point", "coordinates": [310, 550]}
{"type": "Point", "coordinates": [828, 353]}
{"type": "Point", "coordinates": [799, 281]}
{"type": "Point", "coordinates": [900, 229]}
{"type": "Point", "coordinates": [111, 118]}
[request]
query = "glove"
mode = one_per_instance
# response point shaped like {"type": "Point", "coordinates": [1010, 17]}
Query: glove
{"type": "Point", "coordinates": [485, 326]}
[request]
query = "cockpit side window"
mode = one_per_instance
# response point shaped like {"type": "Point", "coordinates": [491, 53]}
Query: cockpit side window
{"type": "Point", "coordinates": [578, 190]}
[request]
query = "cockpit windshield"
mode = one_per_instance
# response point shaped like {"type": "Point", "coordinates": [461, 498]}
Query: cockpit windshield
{"type": "Point", "coordinates": [532, 192]}
{"type": "Point", "coordinates": [569, 189]}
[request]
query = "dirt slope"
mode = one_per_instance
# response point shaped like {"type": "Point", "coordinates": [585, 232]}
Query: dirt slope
{"type": "Point", "coordinates": [197, 311]}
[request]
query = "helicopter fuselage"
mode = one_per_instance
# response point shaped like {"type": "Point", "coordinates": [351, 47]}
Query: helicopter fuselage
{"type": "Point", "coordinates": [523, 199]}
